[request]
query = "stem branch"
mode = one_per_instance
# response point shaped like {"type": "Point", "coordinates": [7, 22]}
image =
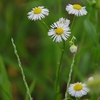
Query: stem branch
{"type": "Point", "coordinates": [57, 88]}
{"type": "Point", "coordinates": [20, 66]}
{"type": "Point", "coordinates": [69, 79]}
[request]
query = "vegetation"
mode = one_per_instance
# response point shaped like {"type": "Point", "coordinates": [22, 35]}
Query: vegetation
{"type": "Point", "coordinates": [39, 55]}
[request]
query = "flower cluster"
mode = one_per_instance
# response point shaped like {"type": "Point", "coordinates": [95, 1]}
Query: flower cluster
{"type": "Point", "coordinates": [60, 31]}
{"type": "Point", "coordinates": [40, 12]}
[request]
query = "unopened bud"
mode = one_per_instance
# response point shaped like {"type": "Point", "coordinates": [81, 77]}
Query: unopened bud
{"type": "Point", "coordinates": [90, 79]}
{"type": "Point", "coordinates": [93, 83]}
{"type": "Point", "coordinates": [73, 49]}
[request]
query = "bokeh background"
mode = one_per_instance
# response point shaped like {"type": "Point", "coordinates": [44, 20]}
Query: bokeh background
{"type": "Point", "coordinates": [39, 54]}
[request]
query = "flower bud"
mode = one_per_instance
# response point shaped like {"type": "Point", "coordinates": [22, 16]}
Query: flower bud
{"type": "Point", "coordinates": [93, 83]}
{"type": "Point", "coordinates": [90, 79]}
{"type": "Point", "coordinates": [73, 49]}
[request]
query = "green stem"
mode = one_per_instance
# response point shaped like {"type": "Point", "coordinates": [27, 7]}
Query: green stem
{"type": "Point", "coordinates": [69, 78]}
{"type": "Point", "coordinates": [57, 87]}
{"type": "Point", "coordinates": [45, 24]}
{"type": "Point", "coordinates": [22, 72]}
{"type": "Point", "coordinates": [32, 86]}
{"type": "Point", "coordinates": [77, 98]}
{"type": "Point", "coordinates": [97, 20]}
{"type": "Point", "coordinates": [73, 22]}
{"type": "Point", "coordinates": [78, 57]}
{"type": "Point", "coordinates": [10, 98]}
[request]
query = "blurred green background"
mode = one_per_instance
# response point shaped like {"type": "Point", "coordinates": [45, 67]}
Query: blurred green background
{"type": "Point", "coordinates": [38, 54]}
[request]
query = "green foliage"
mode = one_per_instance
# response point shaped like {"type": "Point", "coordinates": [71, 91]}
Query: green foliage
{"type": "Point", "coordinates": [91, 31]}
{"type": "Point", "coordinates": [39, 55]}
{"type": "Point", "coordinates": [4, 82]}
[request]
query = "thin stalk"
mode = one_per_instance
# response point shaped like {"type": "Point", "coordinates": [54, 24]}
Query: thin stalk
{"type": "Point", "coordinates": [97, 23]}
{"type": "Point", "coordinates": [45, 24]}
{"type": "Point", "coordinates": [20, 66]}
{"type": "Point", "coordinates": [31, 88]}
{"type": "Point", "coordinates": [6, 92]}
{"type": "Point", "coordinates": [79, 53]}
{"type": "Point", "coordinates": [69, 78]}
{"type": "Point", "coordinates": [57, 87]}
{"type": "Point", "coordinates": [73, 22]}
{"type": "Point", "coordinates": [77, 98]}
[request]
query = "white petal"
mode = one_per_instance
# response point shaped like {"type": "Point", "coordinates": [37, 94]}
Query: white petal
{"type": "Point", "coordinates": [76, 12]}
{"type": "Point", "coordinates": [33, 16]}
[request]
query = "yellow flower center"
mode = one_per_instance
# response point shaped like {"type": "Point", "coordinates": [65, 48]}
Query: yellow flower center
{"type": "Point", "coordinates": [59, 30]}
{"type": "Point", "coordinates": [37, 10]}
{"type": "Point", "coordinates": [78, 87]}
{"type": "Point", "coordinates": [77, 6]}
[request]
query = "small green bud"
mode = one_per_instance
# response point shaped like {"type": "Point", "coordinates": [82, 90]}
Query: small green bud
{"type": "Point", "coordinates": [73, 49]}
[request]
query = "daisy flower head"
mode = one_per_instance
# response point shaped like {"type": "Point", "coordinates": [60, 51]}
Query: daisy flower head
{"type": "Point", "coordinates": [38, 13]}
{"type": "Point", "coordinates": [76, 9]}
{"type": "Point", "coordinates": [64, 21]}
{"type": "Point", "coordinates": [59, 30]}
{"type": "Point", "coordinates": [78, 89]}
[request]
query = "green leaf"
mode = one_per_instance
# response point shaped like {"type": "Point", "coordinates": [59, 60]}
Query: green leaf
{"type": "Point", "coordinates": [96, 54]}
{"type": "Point", "coordinates": [4, 82]}
{"type": "Point", "coordinates": [91, 30]}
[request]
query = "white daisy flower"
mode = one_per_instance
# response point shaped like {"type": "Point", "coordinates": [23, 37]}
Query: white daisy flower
{"type": "Point", "coordinates": [60, 30]}
{"type": "Point", "coordinates": [64, 21]}
{"type": "Point", "coordinates": [78, 89]}
{"type": "Point", "coordinates": [38, 13]}
{"type": "Point", "coordinates": [76, 9]}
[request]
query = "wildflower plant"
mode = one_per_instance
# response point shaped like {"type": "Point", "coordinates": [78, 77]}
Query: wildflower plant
{"type": "Point", "coordinates": [57, 46]}
{"type": "Point", "coordinates": [60, 32]}
{"type": "Point", "coordinates": [22, 72]}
